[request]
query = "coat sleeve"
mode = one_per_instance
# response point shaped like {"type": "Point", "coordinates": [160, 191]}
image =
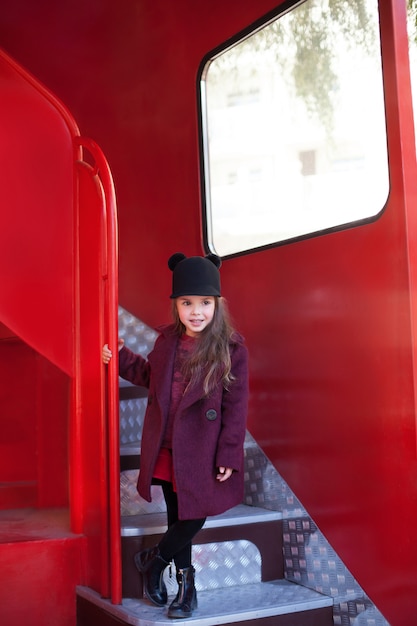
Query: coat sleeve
{"type": "Point", "coordinates": [134, 368]}
{"type": "Point", "coordinates": [234, 413]}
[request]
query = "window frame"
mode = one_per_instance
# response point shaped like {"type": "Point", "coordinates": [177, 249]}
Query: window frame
{"type": "Point", "coordinates": [205, 188]}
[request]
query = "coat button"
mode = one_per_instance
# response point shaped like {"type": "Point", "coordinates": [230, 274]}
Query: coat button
{"type": "Point", "coordinates": [211, 414]}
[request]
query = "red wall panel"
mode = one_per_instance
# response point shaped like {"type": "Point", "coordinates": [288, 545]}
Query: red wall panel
{"type": "Point", "coordinates": [129, 79]}
{"type": "Point", "coordinates": [55, 584]}
{"type": "Point", "coordinates": [18, 414]}
{"type": "Point", "coordinates": [34, 429]}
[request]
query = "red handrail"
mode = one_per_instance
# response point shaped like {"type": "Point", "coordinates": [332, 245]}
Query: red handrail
{"type": "Point", "coordinates": [109, 453]}
{"type": "Point", "coordinates": [110, 443]}
{"type": "Point", "coordinates": [41, 89]}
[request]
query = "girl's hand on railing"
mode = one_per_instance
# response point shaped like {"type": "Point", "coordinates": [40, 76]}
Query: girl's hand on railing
{"type": "Point", "coordinates": [106, 353]}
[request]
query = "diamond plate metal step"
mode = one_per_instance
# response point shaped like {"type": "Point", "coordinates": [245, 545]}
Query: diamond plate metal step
{"type": "Point", "coordinates": [278, 603]}
{"type": "Point", "coordinates": [155, 523]}
{"type": "Point", "coordinates": [242, 545]}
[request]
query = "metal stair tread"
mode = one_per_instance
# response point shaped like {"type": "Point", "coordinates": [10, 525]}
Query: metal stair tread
{"type": "Point", "coordinates": [130, 449]}
{"type": "Point", "coordinates": [154, 523]}
{"type": "Point", "coordinates": [220, 606]}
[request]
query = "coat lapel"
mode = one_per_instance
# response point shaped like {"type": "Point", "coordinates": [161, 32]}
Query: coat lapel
{"type": "Point", "coordinates": [162, 364]}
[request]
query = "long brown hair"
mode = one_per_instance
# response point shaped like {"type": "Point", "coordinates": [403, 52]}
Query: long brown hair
{"type": "Point", "coordinates": [211, 356]}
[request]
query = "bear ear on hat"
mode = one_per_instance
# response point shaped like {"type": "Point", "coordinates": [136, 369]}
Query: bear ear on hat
{"type": "Point", "coordinates": [216, 260]}
{"type": "Point", "coordinates": [175, 259]}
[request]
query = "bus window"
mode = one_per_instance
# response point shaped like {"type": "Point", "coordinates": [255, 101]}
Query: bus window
{"type": "Point", "coordinates": [293, 121]}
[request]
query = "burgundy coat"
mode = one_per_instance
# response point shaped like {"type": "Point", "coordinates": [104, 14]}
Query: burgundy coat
{"type": "Point", "coordinates": [208, 432]}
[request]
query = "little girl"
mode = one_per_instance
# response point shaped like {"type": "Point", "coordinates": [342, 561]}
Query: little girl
{"type": "Point", "coordinates": [195, 422]}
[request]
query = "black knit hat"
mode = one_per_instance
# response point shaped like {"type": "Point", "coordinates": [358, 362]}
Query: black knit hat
{"type": "Point", "coordinates": [195, 275]}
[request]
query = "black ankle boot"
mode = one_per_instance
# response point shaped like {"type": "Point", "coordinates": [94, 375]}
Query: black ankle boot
{"type": "Point", "coordinates": [151, 564]}
{"type": "Point", "coordinates": [186, 599]}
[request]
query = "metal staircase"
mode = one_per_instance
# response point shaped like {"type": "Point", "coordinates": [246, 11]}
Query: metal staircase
{"type": "Point", "coordinates": [238, 558]}
{"type": "Point", "coordinates": [263, 562]}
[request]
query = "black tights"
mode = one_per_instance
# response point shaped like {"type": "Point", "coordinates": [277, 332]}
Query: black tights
{"type": "Point", "coordinates": [176, 544]}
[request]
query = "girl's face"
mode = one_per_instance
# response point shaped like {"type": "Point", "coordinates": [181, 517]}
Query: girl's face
{"type": "Point", "coordinates": [195, 312]}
